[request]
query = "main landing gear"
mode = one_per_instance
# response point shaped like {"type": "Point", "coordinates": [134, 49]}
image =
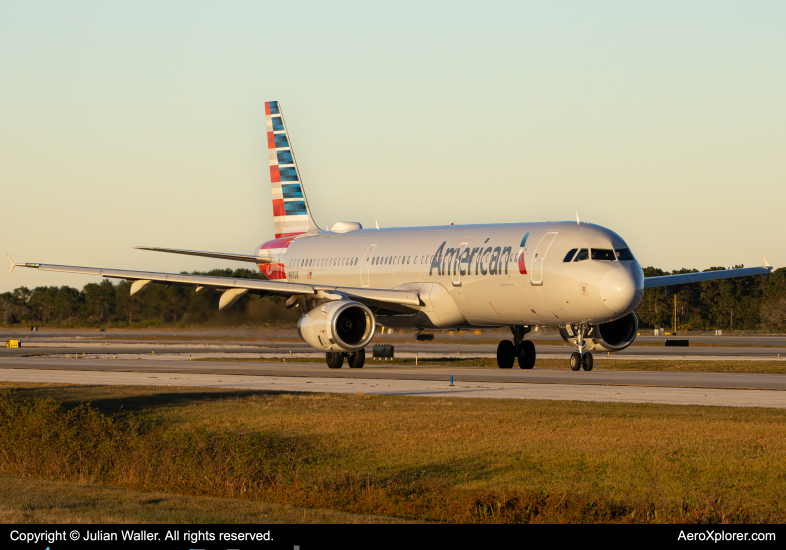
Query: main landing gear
{"type": "Point", "coordinates": [523, 350]}
{"type": "Point", "coordinates": [356, 359]}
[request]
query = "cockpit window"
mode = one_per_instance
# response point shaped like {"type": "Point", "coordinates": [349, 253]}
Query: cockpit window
{"type": "Point", "coordinates": [624, 255]}
{"type": "Point", "coordinates": [569, 257]}
{"type": "Point", "coordinates": [582, 255]}
{"type": "Point", "coordinates": [603, 254]}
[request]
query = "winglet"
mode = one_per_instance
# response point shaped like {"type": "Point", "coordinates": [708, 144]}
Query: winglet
{"type": "Point", "coordinates": [578, 221]}
{"type": "Point", "coordinates": [767, 264]}
{"type": "Point", "coordinates": [11, 264]}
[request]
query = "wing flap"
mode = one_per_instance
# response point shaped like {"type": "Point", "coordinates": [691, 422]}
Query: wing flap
{"type": "Point", "coordinates": [403, 297]}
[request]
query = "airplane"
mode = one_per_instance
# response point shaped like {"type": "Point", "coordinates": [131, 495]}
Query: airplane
{"type": "Point", "coordinates": [579, 277]}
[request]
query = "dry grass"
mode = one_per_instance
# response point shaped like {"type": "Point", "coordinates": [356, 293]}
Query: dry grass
{"type": "Point", "coordinates": [30, 500]}
{"type": "Point", "coordinates": [764, 367]}
{"type": "Point", "coordinates": [472, 460]}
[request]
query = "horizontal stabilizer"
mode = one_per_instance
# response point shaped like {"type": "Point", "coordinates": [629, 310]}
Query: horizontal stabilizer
{"type": "Point", "coordinates": [219, 255]}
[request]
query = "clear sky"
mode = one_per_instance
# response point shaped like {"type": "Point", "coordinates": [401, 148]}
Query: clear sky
{"type": "Point", "coordinates": [142, 123]}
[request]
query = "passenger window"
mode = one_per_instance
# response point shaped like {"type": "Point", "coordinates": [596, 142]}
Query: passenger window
{"type": "Point", "coordinates": [570, 254]}
{"type": "Point", "coordinates": [582, 255]}
{"type": "Point", "coordinates": [603, 254]}
{"type": "Point", "coordinates": [625, 255]}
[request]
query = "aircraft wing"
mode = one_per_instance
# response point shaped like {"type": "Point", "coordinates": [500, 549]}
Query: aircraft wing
{"type": "Point", "coordinates": [398, 299]}
{"type": "Point", "coordinates": [674, 283]}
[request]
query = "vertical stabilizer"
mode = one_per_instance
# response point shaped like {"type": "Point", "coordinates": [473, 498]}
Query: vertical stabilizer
{"type": "Point", "coordinates": [291, 214]}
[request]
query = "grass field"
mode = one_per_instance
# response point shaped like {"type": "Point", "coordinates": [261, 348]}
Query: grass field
{"type": "Point", "coordinates": [771, 367]}
{"type": "Point", "coordinates": [433, 459]}
{"type": "Point", "coordinates": [30, 500]}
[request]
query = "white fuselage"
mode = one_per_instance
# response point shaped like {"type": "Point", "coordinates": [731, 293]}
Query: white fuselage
{"type": "Point", "coordinates": [477, 275]}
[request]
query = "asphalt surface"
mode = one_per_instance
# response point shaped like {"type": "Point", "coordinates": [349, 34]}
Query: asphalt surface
{"type": "Point", "coordinates": [415, 388]}
{"type": "Point", "coordinates": [446, 349]}
{"type": "Point", "coordinates": [234, 335]}
{"type": "Point", "coordinates": [390, 372]}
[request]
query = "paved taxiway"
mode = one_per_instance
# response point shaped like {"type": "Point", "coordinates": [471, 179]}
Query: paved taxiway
{"type": "Point", "coordinates": [402, 350]}
{"type": "Point", "coordinates": [729, 389]}
{"type": "Point", "coordinates": [421, 388]}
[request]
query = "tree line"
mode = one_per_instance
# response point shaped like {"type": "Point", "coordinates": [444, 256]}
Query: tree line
{"type": "Point", "coordinates": [108, 304]}
{"type": "Point", "coordinates": [745, 303]}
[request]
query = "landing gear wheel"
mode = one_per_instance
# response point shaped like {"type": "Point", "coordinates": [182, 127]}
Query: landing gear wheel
{"type": "Point", "coordinates": [334, 360]}
{"type": "Point", "coordinates": [526, 355]}
{"type": "Point", "coordinates": [575, 361]}
{"type": "Point", "coordinates": [506, 354]}
{"type": "Point", "coordinates": [588, 361]}
{"type": "Point", "coordinates": [356, 359]}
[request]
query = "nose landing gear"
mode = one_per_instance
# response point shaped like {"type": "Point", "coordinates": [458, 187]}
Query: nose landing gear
{"type": "Point", "coordinates": [577, 362]}
{"type": "Point", "coordinates": [523, 350]}
{"type": "Point", "coordinates": [580, 359]}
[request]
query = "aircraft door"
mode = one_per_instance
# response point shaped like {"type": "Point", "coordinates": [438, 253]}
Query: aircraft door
{"type": "Point", "coordinates": [365, 266]}
{"type": "Point", "coordinates": [458, 270]}
{"type": "Point", "coordinates": [539, 257]}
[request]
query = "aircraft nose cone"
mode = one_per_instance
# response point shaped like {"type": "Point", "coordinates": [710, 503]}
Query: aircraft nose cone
{"type": "Point", "coordinates": [620, 290]}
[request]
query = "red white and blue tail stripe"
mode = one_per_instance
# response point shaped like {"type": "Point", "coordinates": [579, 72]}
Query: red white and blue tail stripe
{"type": "Point", "coordinates": [291, 214]}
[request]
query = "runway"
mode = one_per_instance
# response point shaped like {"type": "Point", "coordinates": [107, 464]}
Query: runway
{"type": "Point", "coordinates": [415, 388]}
{"type": "Point", "coordinates": [699, 388]}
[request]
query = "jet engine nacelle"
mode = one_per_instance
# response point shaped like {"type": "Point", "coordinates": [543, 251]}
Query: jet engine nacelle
{"type": "Point", "coordinates": [617, 335]}
{"type": "Point", "coordinates": [340, 326]}
{"type": "Point", "coordinates": [612, 336]}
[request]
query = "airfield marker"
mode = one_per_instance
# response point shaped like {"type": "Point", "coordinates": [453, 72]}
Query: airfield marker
{"type": "Point", "coordinates": [451, 379]}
